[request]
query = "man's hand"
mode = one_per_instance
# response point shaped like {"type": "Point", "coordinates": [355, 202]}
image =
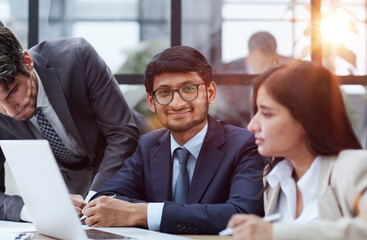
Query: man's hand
{"type": "Point", "coordinates": [79, 203]}
{"type": "Point", "coordinates": [250, 227]}
{"type": "Point", "coordinates": [110, 212]}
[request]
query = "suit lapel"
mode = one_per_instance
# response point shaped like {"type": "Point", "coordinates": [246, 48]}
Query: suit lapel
{"type": "Point", "coordinates": [328, 202]}
{"type": "Point", "coordinates": [271, 197]}
{"type": "Point", "coordinates": [161, 165]}
{"type": "Point", "coordinates": [208, 162]}
{"type": "Point", "coordinates": [56, 96]}
{"type": "Point", "coordinates": [327, 165]}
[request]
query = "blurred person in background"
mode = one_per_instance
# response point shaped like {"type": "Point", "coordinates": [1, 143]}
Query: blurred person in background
{"type": "Point", "coordinates": [234, 101]}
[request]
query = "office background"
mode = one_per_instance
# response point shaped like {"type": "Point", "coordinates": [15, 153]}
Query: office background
{"type": "Point", "coordinates": [127, 33]}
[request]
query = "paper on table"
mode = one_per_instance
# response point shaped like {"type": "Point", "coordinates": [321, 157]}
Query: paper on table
{"type": "Point", "coordinates": [13, 236]}
{"type": "Point", "coordinates": [10, 226]}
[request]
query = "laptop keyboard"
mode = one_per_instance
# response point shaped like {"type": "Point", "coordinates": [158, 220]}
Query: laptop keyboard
{"type": "Point", "coordinates": [98, 234]}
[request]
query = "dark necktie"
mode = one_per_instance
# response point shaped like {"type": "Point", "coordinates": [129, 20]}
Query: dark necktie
{"type": "Point", "coordinates": [182, 185]}
{"type": "Point", "coordinates": [49, 133]}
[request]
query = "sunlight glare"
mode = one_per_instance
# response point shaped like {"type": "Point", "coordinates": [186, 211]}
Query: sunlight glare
{"type": "Point", "coordinates": [334, 28]}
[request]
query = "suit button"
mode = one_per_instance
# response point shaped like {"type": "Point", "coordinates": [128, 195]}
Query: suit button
{"type": "Point", "coordinates": [184, 229]}
{"type": "Point", "coordinates": [191, 230]}
{"type": "Point", "coordinates": [179, 228]}
{"type": "Point", "coordinates": [196, 231]}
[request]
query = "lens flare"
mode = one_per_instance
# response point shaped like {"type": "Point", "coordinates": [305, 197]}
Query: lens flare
{"type": "Point", "coordinates": [335, 28]}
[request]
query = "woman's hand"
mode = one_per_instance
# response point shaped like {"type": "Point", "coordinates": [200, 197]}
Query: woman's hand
{"type": "Point", "coordinates": [250, 227]}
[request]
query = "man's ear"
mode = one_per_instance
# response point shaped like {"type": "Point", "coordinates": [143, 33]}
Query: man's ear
{"type": "Point", "coordinates": [212, 92]}
{"type": "Point", "coordinates": [151, 102]}
{"type": "Point", "coordinates": [28, 62]}
{"type": "Point", "coordinates": [3, 110]}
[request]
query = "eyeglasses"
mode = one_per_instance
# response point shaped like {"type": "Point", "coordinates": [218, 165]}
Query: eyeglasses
{"type": "Point", "coordinates": [164, 96]}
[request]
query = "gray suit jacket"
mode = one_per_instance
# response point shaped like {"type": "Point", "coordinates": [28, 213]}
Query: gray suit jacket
{"type": "Point", "coordinates": [342, 179]}
{"type": "Point", "coordinates": [87, 99]}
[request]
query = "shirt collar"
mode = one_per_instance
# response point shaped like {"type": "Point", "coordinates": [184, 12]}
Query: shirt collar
{"type": "Point", "coordinates": [42, 100]}
{"type": "Point", "coordinates": [193, 145]}
{"type": "Point", "coordinates": [283, 171]}
{"type": "Point", "coordinates": [280, 172]}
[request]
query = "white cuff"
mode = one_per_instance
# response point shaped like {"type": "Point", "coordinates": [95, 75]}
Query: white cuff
{"type": "Point", "coordinates": [154, 215]}
{"type": "Point", "coordinates": [24, 215]}
{"type": "Point", "coordinates": [90, 195]}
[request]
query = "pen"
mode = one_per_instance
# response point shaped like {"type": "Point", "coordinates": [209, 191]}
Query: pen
{"type": "Point", "coordinates": [25, 236]}
{"type": "Point", "coordinates": [269, 218]}
{"type": "Point", "coordinates": [110, 196]}
{"type": "Point", "coordinates": [272, 217]}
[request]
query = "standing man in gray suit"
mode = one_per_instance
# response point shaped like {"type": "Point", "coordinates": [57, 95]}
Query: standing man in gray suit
{"type": "Point", "coordinates": [63, 91]}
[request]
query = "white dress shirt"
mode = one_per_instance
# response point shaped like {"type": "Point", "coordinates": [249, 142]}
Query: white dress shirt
{"type": "Point", "coordinates": [307, 185]}
{"type": "Point", "coordinates": [155, 210]}
{"type": "Point", "coordinates": [48, 111]}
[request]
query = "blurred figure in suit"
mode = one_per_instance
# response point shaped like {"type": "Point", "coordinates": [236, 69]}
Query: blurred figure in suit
{"type": "Point", "coordinates": [234, 102]}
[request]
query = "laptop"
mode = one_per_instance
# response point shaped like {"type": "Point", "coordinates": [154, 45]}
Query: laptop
{"type": "Point", "coordinates": [45, 194]}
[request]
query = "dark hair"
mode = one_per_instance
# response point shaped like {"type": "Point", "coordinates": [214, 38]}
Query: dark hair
{"type": "Point", "coordinates": [263, 41]}
{"type": "Point", "coordinates": [11, 57]}
{"type": "Point", "coordinates": [178, 59]}
{"type": "Point", "coordinates": [312, 96]}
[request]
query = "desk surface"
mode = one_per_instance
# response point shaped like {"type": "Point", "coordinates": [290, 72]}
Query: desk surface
{"type": "Point", "coordinates": [196, 237]}
{"type": "Point", "coordinates": [207, 237]}
{"type": "Point", "coordinates": [9, 226]}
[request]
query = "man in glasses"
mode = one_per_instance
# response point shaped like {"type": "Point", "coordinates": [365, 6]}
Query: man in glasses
{"type": "Point", "coordinates": [191, 176]}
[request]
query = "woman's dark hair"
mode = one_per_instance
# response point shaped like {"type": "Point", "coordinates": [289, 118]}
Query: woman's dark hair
{"type": "Point", "coordinates": [178, 59]}
{"type": "Point", "coordinates": [11, 57]}
{"type": "Point", "coordinates": [312, 96]}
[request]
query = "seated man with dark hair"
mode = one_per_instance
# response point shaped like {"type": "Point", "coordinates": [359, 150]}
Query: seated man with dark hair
{"type": "Point", "coordinates": [192, 175]}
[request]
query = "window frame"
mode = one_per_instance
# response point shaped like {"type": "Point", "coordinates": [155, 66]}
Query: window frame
{"type": "Point", "coordinates": [176, 40]}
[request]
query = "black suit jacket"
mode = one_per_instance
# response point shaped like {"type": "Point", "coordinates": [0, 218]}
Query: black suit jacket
{"type": "Point", "coordinates": [87, 99]}
{"type": "Point", "coordinates": [226, 180]}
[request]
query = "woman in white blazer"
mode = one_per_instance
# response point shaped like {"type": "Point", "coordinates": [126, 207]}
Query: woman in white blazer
{"type": "Point", "coordinates": [317, 173]}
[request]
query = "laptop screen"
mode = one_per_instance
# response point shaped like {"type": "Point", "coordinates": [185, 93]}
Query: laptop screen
{"type": "Point", "coordinates": [44, 192]}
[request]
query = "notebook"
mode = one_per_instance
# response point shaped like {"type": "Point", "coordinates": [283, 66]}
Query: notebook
{"type": "Point", "coordinates": [45, 194]}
